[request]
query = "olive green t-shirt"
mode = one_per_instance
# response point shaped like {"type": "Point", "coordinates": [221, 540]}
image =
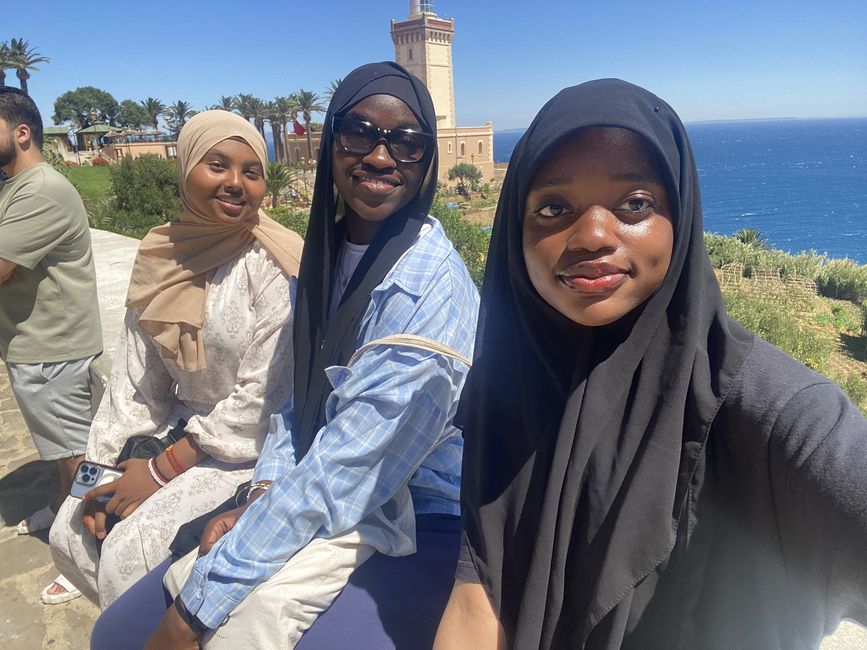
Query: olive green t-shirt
{"type": "Point", "coordinates": [48, 309]}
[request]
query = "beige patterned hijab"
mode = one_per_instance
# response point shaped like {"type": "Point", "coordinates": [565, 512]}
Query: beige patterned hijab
{"type": "Point", "coordinates": [176, 261]}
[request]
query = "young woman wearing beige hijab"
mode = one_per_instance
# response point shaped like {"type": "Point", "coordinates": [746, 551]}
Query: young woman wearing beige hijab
{"type": "Point", "coordinates": [206, 340]}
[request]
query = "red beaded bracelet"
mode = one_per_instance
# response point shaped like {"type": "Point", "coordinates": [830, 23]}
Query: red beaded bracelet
{"type": "Point", "coordinates": [174, 461]}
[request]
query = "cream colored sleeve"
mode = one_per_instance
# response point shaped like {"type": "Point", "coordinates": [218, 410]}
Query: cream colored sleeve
{"type": "Point", "coordinates": [138, 398]}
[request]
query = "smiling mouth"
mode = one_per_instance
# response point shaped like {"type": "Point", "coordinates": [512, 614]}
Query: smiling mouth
{"type": "Point", "coordinates": [376, 185]}
{"type": "Point", "coordinates": [589, 277]}
{"type": "Point", "coordinates": [231, 205]}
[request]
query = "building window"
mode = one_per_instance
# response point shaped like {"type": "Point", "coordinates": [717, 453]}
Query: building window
{"type": "Point", "coordinates": [463, 150]}
{"type": "Point", "coordinates": [450, 147]}
{"type": "Point", "coordinates": [410, 54]}
{"type": "Point", "coordinates": [480, 147]}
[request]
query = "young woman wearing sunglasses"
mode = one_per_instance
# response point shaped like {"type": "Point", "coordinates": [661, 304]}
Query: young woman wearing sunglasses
{"type": "Point", "coordinates": [361, 472]}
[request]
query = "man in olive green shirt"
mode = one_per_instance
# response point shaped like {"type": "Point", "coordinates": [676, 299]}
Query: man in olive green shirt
{"type": "Point", "coordinates": [49, 315]}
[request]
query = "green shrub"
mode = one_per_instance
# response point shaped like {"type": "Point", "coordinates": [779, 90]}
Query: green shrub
{"type": "Point", "coordinates": [775, 321]}
{"type": "Point", "coordinates": [470, 241]}
{"type": "Point", "coordinates": [292, 219]}
{"type": "Point", "coordinates": [847, 317]}
{"type": "Point", "coordinates": [843, 279]}
{"type": "Point", "coordinates": [855, 388]}
{"type": "Point", "coordinates": [144, 194]}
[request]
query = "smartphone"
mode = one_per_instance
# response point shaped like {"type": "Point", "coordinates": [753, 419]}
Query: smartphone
{"type": "Point", "coordinates": [89, 475]}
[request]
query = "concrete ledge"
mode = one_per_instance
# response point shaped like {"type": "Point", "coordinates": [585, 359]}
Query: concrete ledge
{"type": "Point", "coordinates": [113, 256]}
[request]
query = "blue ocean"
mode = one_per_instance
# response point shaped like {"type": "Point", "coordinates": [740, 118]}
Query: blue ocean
{"type": "Point", "coordinates": [802, 183]}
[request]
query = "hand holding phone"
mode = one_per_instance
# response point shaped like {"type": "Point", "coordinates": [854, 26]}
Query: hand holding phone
{"type": "Point", "coordinates": [89, 475]}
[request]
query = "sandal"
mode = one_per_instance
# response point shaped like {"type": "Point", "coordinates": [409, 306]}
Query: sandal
{"type": "Point", "coordinates": [69, 593]}
{"type": "Point", "coordinates": [39, 520]}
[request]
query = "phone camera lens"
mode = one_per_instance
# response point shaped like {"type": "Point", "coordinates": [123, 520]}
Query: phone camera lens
{"type": "Point", "coordinates": [92, 471]}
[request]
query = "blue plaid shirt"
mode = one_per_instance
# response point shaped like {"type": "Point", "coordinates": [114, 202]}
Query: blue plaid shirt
{"type": "Point", "coordinates": [388, 449]}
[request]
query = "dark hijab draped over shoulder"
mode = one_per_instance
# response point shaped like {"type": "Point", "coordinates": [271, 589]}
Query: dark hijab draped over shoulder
{"type": "Point", "coordinates": [318, 342]}
{"type": "Point", "coordinates": [580, 442]}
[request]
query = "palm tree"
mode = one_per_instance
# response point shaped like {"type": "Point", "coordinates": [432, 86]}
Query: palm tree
{"type": "Point", "coordinates": [154, 108]}
{"type": "Point", "coordinates": [242, 105]}
{"type": "Point", "coordinates": [225, 104]}
{"type": "Point", "coordinates": [750, 237]}
{"type": "Point", "coordinates": [308, 103]}
{"type": "Point", "coordinates": [283, 108]}
{"type": "Point", "coordinates": [5, 61]}
{"type": "Point", "coordinates": [258, 111]}
{"type": "Point", "coordinates": [277, 179]}
{"type": "Point", "coordinates": [24, 58]}
{"type": "Point", "coordinates": [178, 114]}
{"type": "Point", "coordinates": [274, 120]}
{"type": "Point", "coordinates": [332, 88]}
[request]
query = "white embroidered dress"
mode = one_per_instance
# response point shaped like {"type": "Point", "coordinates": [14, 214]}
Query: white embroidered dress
{"type": "Point", "coordinates": [247, 341]}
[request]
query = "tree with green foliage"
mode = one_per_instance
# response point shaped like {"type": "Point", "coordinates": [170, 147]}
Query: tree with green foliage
{"type": "Point", "coordinates": [154, 108]}
{"type": "Point", "coordinates": [308, 103]}
{"type": "Point", "coordinates": [24, 59]}
{"type": "Point", "coordinates": [259, 113]}
{"type": "Point", "coordinates": [226, 103]}
{"type": "Point", "coordinates": [332, 88]}
{"type": "Point", "coordinates": [84, 106]}
{"type": "Point", "coordinates": [145, 194]}
{"type": "Point", "coordinates": [177, 115]}
{"type": "Point", "coordinates": [751, 237]}
{"type": "Point", "coordinates": [274, 122]}
{"type": "Point", "coordinates": [277, 180]}
{"type": "Point", "coordinates": [467, 175]}
{"type": "Point", "coordinates": [132, 115]}
{"type": "Point", "coordinates": [243, 105]}
{"type": "Point", "coordinates": [468, 238]}
{"type": "Point", "coordinates": [5, 61]}
{"type": "Point", "coordinates": [282, 110]}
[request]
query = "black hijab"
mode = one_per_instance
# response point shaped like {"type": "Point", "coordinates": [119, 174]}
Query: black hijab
{"type": "Point", "coordinates": [580, 442]}
{"type": "Point", "coordinates": [320, 343]}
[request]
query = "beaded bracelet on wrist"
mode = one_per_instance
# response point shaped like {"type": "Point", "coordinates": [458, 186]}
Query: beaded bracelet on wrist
{"type": "Point", "coordinates": [156, 475]}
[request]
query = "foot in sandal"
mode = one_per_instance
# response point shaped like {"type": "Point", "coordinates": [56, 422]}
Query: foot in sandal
{"type": "Point", "coordinates": [59, 591]}
{"type": "Point", "coordinates": [39, 520]}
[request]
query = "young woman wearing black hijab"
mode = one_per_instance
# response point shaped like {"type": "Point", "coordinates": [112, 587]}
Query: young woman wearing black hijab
{"type": "Point", "coordinates": [363, 466]}
{"type": "Point", "coordinates": [656, 476]}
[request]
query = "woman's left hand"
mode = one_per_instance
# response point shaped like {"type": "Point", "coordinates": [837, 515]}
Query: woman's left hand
{"type": "Point", "coordinates": [129, 491]}
{"type": "Point", "coordinates": [173, 634]}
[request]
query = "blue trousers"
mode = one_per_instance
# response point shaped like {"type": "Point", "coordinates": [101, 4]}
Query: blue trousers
{"type": "Point", "coordinates": [389, 602]}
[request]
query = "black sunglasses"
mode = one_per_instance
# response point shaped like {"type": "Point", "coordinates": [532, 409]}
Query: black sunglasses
{"type": "Point", "coordinates": [360, 138]}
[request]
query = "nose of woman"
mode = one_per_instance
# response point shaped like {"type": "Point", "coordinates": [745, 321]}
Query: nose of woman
{"type": "Point", "coordinates": [232, 181]}
{"type": "Point", "coordinates": [593, 230]}
{"type": "Point", "coordinates": [380, 157]}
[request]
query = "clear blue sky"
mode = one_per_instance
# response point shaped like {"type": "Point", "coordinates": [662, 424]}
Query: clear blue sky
{"type": "Point", "coordinates": [729, 59]}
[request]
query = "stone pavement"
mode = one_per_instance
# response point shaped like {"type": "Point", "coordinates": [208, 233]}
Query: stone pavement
{"type": "Point", "coordinates": [26, 484]}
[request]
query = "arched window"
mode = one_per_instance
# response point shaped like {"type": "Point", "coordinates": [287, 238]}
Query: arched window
{"type": "Point", "coordinates": [463, 150]}
{"type": "Point", "coordinates": [450, 147]}
{"type": "Point", "coordinates": [480, 147]}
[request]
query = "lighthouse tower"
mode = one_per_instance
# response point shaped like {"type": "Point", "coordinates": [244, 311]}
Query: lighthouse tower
{"type": "Point", "coordinates": [423, 45]}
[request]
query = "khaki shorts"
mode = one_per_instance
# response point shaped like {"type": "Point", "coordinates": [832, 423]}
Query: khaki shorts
{"type": "Point", "coordinates": [55, 400]}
